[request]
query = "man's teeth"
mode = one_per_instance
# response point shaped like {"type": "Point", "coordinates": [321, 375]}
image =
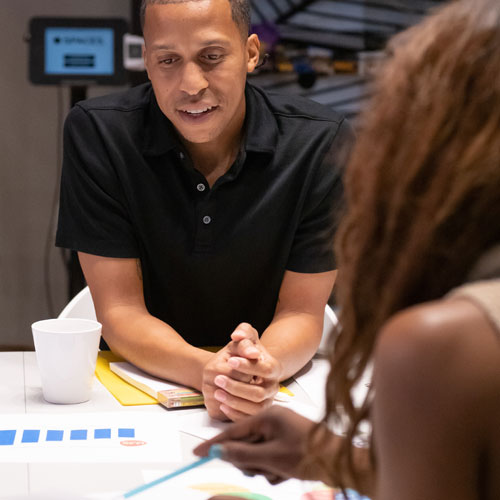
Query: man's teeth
{"type": "Point", "coordinates": [199, 111]}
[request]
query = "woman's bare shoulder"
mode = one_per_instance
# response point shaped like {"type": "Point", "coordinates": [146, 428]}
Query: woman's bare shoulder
{"type": "Point", "coordinates": [448, 345]}
{"type": "Point", "coordinates": [437, 380]}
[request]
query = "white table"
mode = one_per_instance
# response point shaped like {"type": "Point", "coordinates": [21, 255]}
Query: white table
{"type": "Point", "coordinates": [20, 392]}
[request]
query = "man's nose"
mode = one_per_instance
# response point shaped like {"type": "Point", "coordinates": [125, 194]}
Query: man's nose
{"type": "Point", "coordinates": [193, 79]}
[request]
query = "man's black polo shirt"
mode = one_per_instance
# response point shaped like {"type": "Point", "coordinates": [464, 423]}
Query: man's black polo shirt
{"type": "Point", "coordinates": [211, 258]}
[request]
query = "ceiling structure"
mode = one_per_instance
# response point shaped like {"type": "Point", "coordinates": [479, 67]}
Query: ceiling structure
{"type": "Point", "coordinates": [344, 26]}
{"type": "Point", "coordinates": [349, 25]}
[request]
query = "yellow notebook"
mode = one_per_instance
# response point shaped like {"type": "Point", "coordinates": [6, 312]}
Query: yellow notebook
{"type": "Point", "coordinates": [125, 393]}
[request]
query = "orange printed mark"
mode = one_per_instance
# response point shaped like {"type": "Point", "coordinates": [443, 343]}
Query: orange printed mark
{"type": "Point", "coordinates": [132, 442]}
{"type": "Point", "coordinates": [326, 494]}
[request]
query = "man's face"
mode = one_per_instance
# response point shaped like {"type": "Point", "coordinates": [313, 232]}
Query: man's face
{"type": "Point", "coordinates": [197, 62]}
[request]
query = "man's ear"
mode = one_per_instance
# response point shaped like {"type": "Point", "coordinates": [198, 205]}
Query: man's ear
{"type": "Point", "coordinates": [253, 52]}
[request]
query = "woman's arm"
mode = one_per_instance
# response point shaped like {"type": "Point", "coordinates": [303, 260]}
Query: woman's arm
{"type": "Point", "coordinates": [437, 380]}
{"type": "Point", "coordinates": [275, 443]}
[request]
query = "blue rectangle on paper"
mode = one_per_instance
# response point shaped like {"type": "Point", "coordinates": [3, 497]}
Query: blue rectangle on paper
{"type": "Point", "coordinates": [78, 435]}
{"type": "Point", "coordinates": [102, 433]}
{"type": "Point", "coordinates": [7, 437]}
{"type": "Point", "coordinates": [30, 436]}
{"type": "Point", "coordinates": [126, 433]}
{"type": "Point", "coordinates": [55, 435]}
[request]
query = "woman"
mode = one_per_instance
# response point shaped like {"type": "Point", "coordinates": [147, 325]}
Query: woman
{"type": "Point", "coordinates": [419, 283]}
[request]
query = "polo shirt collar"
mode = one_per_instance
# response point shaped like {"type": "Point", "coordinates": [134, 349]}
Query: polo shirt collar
{"type": "Point", "coordinates": [261, 129]}
{"type": "Point", "coordinates": [160, 135]}
{"type": "Point", "coordinates": [261, 134]}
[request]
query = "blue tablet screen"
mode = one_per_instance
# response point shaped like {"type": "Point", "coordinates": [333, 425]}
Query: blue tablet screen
{"type": "Point", "coordinates": [79, 51]}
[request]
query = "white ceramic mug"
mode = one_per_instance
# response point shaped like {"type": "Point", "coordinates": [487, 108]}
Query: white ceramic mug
{"type": "Point", "coordinates": [66, 351]}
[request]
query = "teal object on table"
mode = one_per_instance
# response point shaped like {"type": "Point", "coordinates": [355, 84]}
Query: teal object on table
{"type": "Point", "coordinates": [215, 452]}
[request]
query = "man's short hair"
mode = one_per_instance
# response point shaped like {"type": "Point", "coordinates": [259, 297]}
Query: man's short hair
{"type": "Point", "coordinates": [240, 12]}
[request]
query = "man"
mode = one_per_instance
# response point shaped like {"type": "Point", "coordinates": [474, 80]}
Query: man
{"type": "Point", "coordinates": [203, 210]}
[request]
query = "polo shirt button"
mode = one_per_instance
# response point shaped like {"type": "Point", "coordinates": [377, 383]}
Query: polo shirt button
{"type": "Point", "coordinates": [181, 155]}
{"type": "Point", "coordinates": [207, 219]}
{"type": "Point", "coordinates": [201, 187]}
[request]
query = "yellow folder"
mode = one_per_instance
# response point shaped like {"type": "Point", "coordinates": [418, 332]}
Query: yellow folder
{"type": "Point", "coordinates": [125, 393]}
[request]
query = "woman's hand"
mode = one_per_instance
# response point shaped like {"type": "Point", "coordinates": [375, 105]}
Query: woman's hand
{"type": "Point", "coordinates": [272, 443]}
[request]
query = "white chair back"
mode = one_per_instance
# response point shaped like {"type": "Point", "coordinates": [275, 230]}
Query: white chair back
{"type": "Point", "coordinates": [329, 324]}
{"type": "Point", "coordinates": [80, 306]}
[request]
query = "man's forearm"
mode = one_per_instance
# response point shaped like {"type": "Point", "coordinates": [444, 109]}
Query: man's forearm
{"type": "Point", "coordinates": [292, 339]}
{"type": "Point", "coordinates": [153, 346]}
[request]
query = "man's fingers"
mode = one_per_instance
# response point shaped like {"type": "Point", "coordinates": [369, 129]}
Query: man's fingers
{"type": "Point", "coordinates": [240, 405]}
{"type": "Point", "coordinates": [245, 331]}
{"type": "Point", "coordinates": [233, 414]}
{"type": "Point", "coordinates": [240, 376]}
{"type": "Point", "coordinates": [252, 392]}
{"type": "Point", "coordinates": [261, 368]}
{"type": "Point", "coordinates": [215, 412]}
{"type": "Point", "coordinates": [245, 348]}
{"type": "Point", "coordinates": [222, 367]}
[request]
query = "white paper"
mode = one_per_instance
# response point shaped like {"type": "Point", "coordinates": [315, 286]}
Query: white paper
{"type": "Point", "coordinates": [204, 427]}
{"type": "Point", "coordinates": [311, 412]}
{"type": "Point", "coordinates": [204, 482]}
{"type": "Point", "coordinates": [90, 437]}
{"type": "Point", "coordinates": [135, 376]}
{"type": "Point", "coordinates": [201, 425]}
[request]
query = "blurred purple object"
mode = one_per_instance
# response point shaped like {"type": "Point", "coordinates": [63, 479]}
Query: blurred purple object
{"type": "Point", "coordinates": [267, 33]}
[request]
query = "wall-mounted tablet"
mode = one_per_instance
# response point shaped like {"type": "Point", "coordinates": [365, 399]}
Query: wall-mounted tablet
{"type": "Point", "coordinates": [78, 51]}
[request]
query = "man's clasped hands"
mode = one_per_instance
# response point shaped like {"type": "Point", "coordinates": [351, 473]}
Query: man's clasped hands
{"type": "Point", "coordinates": [242, 378]}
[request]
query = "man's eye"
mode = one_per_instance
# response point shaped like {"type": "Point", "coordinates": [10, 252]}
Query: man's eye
{"type": "Point", "coordinates": [167, 61]}
{"type": "Point", "coordinates": [213, 57]}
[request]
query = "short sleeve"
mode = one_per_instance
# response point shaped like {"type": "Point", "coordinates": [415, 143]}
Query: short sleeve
{"type": "Point", "coordinates": [92, 212]}
{"type": "Point", "coordinates": [312, 250]}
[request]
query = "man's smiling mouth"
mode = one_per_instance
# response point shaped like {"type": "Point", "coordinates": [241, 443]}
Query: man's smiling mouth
{"type": "Point", "coordinates": [199, 111]}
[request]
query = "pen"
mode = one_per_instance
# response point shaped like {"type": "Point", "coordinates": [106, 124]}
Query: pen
{"type": "Point", "coordinates": [214, 452]}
